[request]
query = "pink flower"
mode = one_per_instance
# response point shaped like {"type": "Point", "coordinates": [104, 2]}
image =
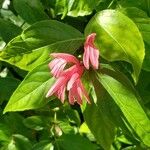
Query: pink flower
{"type": "Point", "coordinates": [91, 53]}
{"type": "Point", "coordinates": [76, 92]}
{"type": "Point", "coordinates": [58, 64]}
{"type": "Point", "coordinates": [67, 79]}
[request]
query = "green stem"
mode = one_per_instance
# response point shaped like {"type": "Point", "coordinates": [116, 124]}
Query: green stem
{"type": "Point", "coordinates": [111, 3]}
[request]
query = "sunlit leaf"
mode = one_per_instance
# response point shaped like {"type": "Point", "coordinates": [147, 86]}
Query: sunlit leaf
{"type": "Point", "coordinates": [35, 44]}
{"type": "Point", "coordinates": [115, 34]}
{"type": "Point", "coordinates": [31, 93]}
{"type": "Point", "coordinates": [128, 102]}
{"type": "Point", "coordinates": [100, 125]}
{"type": "Point", "coordinates": [75, 7]}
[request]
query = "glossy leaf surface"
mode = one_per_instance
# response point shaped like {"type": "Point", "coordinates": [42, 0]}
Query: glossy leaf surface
{"type": "Point", "coordinates": [115, 34]}
{"type": "Point", "coordinates": [128, 101]}
{"type": "Point", "coordinates": [34, 45]}
{"type": "Point", "coordinates": [31, 93]}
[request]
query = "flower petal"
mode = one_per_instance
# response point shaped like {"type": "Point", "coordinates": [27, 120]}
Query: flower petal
{"type": "Point", "coordinates": [53, 63]}
{"type": "Point", "coordinates": [94, 55]}
{"type": "Point", "coordinates": [72, 80]}
{"type": "Point", "coordinates": [84, 91]}
{"type": "Point", "coordinates": [70, 71]}
{"type": "Point", "coordinates": [71, 98]}
{"type": "Point", "coordinates": [69, 78]}
{"type": "Point", "coordinates": [69, 58]}
{"type": "Point", "coordinates": [96, 58]}
{"type": "Point", "coordinates": [86, 57]}
{"type": "Point", "coordinates": [79, 96]}
{"type": "Point", "coordinates": [90, 39]}
{"type": "Point", "coordinates": [60, 81]}
{"type": "Point", "coordinates": [61, 93]}
{"type": "Point", "coordinates": [91, 53]}
{"type": "Point", "coordinates": [58, 68]}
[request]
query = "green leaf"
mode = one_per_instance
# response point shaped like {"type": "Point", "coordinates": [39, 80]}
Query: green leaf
{"type": "Point", "coordinates": [31, 93]}
{"type": "Point", "coordinates": [5, 90]}
{"type": "Point", "coordinates": [98, 115]}
{"type": "Point", "coordinates": [118, 38]}
{"type": "Point", "coordinates": [74, 8]}
{"type": "Point", "coordinates": [65, 127]}
{"type": "Point", "coordinates": [143, 23]}
{"type": "Point", "coordinates": [76, 142]}
{"type": "Point", "coordinates": [34, 122]}
{"type": "Point", "coordinates": [109, 109]}
{"type": "Point", "coordinates": [128, 102]}
{"type": "Point", "coordinates": [19, 142]}
{"type": "Point", "coordinates": [8, 30]}
{"type": "Point", "coordinates": [84, 129]}
{"type": "Point", "coordinates": [35, 44]}
{"type": "Point", "coordinates": [10, 16]}
{"type": "Point", "coordinates": [146, 63]}
{"type": "Point", "coordinates": [141, 4]}
{"type": "Point", "coordinates": [30, 11]}
{"type": "Point", "coordinates": [72, 115]}
{"type": "Point", "coordinates": [10, 124]}
{"type": "Point", "coordinates": [4, 133]}
{"type": "Point", "coordinates": [106, 4]}
{"type": "Point", "coordinates": [43, 145]}
{"type": "Point", "coordinates": [100, 125]}
{"type": "Point", "coordinates": [143, 87]}
{"type": "Point", "coordinates": [123, 139]}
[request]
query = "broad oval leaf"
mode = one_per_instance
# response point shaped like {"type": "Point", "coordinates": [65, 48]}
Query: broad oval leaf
{"type": "Point", "coordinates": [35, 44]}
{"type": "Point", "coordinates": [127, 101]}
{"type": "Point", "coordinates": [31, 93]}
{"type": "Point", "coordinates": [118, 38]}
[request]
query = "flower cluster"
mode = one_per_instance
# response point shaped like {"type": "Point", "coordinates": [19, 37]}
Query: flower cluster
{"type": "Point", "coordinates": [69, 79]}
